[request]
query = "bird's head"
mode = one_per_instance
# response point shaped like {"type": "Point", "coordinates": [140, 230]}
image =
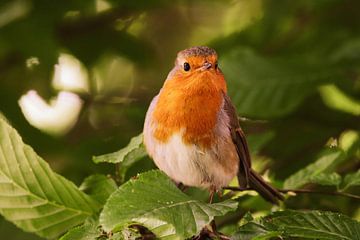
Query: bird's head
{"type": "Point", "coordinates": [196, 67]}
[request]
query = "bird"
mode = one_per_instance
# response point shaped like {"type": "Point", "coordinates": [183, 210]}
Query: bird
{"type": "Point", "coordinates": [191, 129]}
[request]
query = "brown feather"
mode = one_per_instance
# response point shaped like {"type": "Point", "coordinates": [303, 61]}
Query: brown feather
{"type": "Point", "coordinates": [247, 176]}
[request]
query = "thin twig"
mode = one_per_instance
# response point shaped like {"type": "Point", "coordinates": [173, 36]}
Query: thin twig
{"type": "Point", "coordinates": [343, 194]}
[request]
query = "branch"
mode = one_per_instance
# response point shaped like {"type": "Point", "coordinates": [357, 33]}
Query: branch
{"type": "Point", "coordinates": [343, 194]}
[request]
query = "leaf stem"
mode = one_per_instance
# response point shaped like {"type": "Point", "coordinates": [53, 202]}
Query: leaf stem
{"type": "Point", "coordinates": [343, 194]}
{"type": "Point", "coordinates": [117, 177]}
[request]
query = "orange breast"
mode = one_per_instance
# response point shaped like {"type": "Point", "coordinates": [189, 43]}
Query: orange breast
{"type": "Point", "coordinates": [191, 103]}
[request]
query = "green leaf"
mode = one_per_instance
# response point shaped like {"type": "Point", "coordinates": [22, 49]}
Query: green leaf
{"type": "Point", "coordinates": [89, 230]}
{"type": "Point", "coordinates": [314, 225]}
{"type": "Point", "coordinates": [331, 179]}
{"type": "Point", "coordinates": [351, 179]}
{"type": "Point", "coordinates": [32, 196]}
{"type": "Point", "coordinates": [325, 163]}
{"type": "Point", "coordinates": [302, 225]}
{"type": "Point", "coordinates": [266, 87]}
{"type": "Point", "coordinates": [258, 141]}
{"type": "Point", "coordinates": [254, 231]}
{"type": "Point", "coordinates": [125, 157]}
{"type": "Point", "coordinates": [134, 150]}
{"type": "Point", "coordinates": [99, 187]}
{"type": "Point", "coordinates": [334, 98]}
{"type": "Point", "coordinates": [349, 141]}
{"type": "Point", "coordinates": [154, 201]}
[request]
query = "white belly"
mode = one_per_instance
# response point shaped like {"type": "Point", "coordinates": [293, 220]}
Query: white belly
{"type": "Point", "coordinates": [190, 165]}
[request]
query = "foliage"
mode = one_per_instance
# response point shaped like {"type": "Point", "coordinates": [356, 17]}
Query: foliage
{"type": "Point", "coordinates": [34, 197]}
{"type": "Point", "coordinates": [153, 200]}
{"type": "Point", "coordinates": [304, 225]}
{"type": "Point", "coordinates": [351, 179]}
{"type": "Point", "coordinates": [314, 172]}
{"type": "Point", "coordinates": [150, 199]}
{"type": "Point", "coordinates": [125, 157]}
{"type": "Point", "coordinates": [292, 69]}
{"type": "Point", "coordinates": [99, 187]}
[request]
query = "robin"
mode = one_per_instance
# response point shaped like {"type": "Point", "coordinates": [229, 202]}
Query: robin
{"type": "Point", "coordinates": [192, 130]}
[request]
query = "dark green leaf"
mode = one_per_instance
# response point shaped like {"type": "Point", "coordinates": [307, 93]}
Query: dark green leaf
{"type": "Point", "coordinates": [302, 225]}
{"type": "Point", "coordinates": [258, 141]}
{"type": "Point", "coordinates": [254, 231]}
{"type": "Point", "coordinates": [314, 225]}
{"type": "Point", "coordinates": [269, 87]}
{"type": "Point", "coordinates": [99, 187]}
{"type": "Point", "coordinates": [154, 201]}
{"type": "Point", "coordinates": [90, 230]}
{"type": "Point", "coordinates": [331, 179]}
{"type": "Point", "coordinates": [325, 163]}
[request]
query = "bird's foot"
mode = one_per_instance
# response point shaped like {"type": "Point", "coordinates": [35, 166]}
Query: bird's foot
{"type": "Point", "coordinates": [209, 232]}
{"type": "Point", "coordinates": [181, 186]}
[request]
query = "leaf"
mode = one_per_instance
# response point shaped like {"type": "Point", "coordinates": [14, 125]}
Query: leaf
{"type": "Point", "coordinates": [32, 196]}
{"type": "Point", "coordinates": [302, 225]}
{"type": "Point", "coordinates": [349, 50]}
{"type": "Point", "coordinates": [349, 141]}
{"type": "Point", "coordinates": [254, 231]}
{"type": "Point", "coordinates": [258, 141]}
{"type": "Point", "coordinates": [334, 98]}
{"type": "Point", "coordinates": [314, 225]}
{"type": "Point", "coordinates": [89, 230]}
{"type": "Point", "coordinates": [264, 87]}
{"type": "Point", "coordinates": [153, 201]}
{"type": "Point", "coordinates": [99, 187]}
{"type": "Point", "coordinates": [331, 179]}
{"type": "Point", "coordinates": [126, 157]}
{"type": "Point", "coordinates": [325, 163]}
{"type": "Point", "coordinates": [134, 150]}
{"type": "Point", "coordinates": [351, 179]}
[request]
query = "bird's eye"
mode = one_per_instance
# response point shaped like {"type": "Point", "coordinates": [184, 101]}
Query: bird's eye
{"type": "Point", "coordinates": [186, 66]}
{"type": "Point", "coordinates": [216, 65]}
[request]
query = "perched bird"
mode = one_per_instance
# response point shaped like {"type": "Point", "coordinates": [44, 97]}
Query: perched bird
{"type": "Point", "coordinates": [192, 131]}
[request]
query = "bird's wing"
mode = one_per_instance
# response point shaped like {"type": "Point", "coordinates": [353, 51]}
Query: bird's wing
{"type": "Point", "coordinates": [240, 142]}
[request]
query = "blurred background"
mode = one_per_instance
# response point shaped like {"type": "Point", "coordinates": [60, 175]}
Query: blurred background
{"type": "Point", "coordinates": [77, 76]}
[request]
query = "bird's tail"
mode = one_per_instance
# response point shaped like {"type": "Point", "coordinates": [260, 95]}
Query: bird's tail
{"type": "Point", "coordinates": [268, 192]}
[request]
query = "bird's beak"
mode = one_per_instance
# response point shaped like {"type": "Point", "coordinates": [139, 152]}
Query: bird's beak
{"type": "Point", "coordinates": [206, 66]}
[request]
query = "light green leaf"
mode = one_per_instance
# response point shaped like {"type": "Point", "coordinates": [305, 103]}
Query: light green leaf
{"type": "Point", "coordinates": [99, 187]}
{"type": "Point", "coordinates": [266, 87]}
{"type": "Point", "coordinates": [133, 151]}
{"type": "Point", "coordinates": [331, 179]}
{"type": "Point", "coordinates": [334, 98]}
{"type": "Point", "coordinates": [301, 224]}
{"type": "Point", "coordinates": [351, 179]}
{"type": "Point", "coordinates": [32, 196]}
{"type": "Point", "coordinates": [325, 163]}
{"type": "Point", "coordinates": [349, 141]}
{"type": "Point", "coordinates": [153, 201]}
